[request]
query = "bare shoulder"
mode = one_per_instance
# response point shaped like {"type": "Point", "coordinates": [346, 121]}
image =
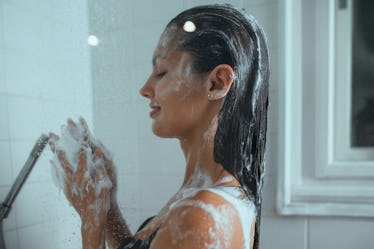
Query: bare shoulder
{"type": "Point", "coordinates": [205, 220]}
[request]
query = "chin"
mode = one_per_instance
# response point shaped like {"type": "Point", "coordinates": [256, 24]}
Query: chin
{"type": "Point", "coordinates": [164, 133]}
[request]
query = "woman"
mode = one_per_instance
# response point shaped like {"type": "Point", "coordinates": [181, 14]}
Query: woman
{"type": "Point", "coordinates": [209, 89]}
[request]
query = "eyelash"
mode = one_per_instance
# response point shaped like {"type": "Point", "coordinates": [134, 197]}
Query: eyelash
{"type": "Point", "coordinates": [160, 75]}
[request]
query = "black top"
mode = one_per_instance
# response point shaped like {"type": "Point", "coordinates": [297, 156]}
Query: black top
{"type": "Point", "coordinates": [133, 243]}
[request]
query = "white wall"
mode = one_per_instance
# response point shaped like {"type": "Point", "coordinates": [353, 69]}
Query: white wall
{"type": "Point", "coordinates": [44, 78]}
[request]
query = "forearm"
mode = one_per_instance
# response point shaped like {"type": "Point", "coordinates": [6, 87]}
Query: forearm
{"type": "Point", "coordinates": [93, 236]}
{"type": "Point", "coordinates": [116, 230]}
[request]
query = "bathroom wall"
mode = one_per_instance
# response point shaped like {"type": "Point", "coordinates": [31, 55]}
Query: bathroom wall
{"type": "Point", "coordinates": [150, 168]}
{"type": "Point", "coordinates": [44, 78]}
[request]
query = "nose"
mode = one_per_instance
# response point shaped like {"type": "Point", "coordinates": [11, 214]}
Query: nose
{"type": "Point", "coordinates": [147, 90]}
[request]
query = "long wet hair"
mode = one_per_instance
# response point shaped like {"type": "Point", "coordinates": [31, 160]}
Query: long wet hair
{"type": "Point", "coordinates": [226, 35]}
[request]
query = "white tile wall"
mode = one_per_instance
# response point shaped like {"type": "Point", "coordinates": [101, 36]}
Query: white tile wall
{"type": "Point", "coordinates": [44, 78]}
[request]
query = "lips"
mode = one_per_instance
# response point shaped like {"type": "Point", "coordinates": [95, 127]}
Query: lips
{"type": "Point", "coordinates": [155, 109]}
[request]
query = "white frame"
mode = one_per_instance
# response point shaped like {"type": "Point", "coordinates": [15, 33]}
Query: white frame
{"type": "Point", "coordinates": [342, 186]}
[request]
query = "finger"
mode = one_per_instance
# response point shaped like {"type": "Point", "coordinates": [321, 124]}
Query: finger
{"type": "Point", "coordinates": [86, 132]}
{"type": "Point", "coordinates": [98, 154]}
{"type": "Point", "coordinates": [82, 169]}
{"type": "Point", "coordinates": [51, 142]}
{"type": "Point", "coordinates": [61, 155]}
{"type": "Point", "coordinates": [52, 146]}
{"type": "Point", "coordinates": [83, 123]}
{"type": "Point", "coordinates": [74, 130]}
{"type": "Point", "coordinates": [72, 123]}
{"type": "Point", "coordinates": [102, 183]}
{"type": "Point", "coordinates": [53, 136]}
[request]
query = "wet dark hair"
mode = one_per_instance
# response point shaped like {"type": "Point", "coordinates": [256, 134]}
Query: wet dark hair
{"type": "Point", "coordinates": [226, 35]}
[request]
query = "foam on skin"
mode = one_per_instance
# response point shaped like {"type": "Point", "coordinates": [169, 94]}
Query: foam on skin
{"type": "Point", "coordinates": [221, 215]}
{"type": "Point", "coordinates": [74, 141]}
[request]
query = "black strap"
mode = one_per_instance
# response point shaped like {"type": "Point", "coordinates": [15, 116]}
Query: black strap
{"type": "Point", "coordinates": [133, 243]}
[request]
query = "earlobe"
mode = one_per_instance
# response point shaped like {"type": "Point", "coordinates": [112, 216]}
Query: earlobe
{"type": "Point", "coordinates": [220, 81]}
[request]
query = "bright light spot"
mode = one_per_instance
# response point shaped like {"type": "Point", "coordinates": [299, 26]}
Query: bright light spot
{"type": "Point", "coordinates": [189, 26]}
{"type": "Point", "coordinates": [92, 40]}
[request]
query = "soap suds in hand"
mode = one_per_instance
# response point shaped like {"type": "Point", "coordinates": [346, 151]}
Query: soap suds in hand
{"type": "Point", "coordinates": [76, 139]}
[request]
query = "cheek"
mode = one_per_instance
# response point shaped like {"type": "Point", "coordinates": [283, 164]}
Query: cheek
{"type": "Point", "coordinates": [174, 89]}
{"type": "Point", "coordinates": [169, 90]}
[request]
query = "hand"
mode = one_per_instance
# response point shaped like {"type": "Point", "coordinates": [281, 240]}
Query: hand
{"type": "Point", "coordinates": [87, 191]}
{"type": "Point", "coordinates": [81, 170]}
{"type": "Point", "coordinates": [109, 166]}
{"type": "Point", "coordinates": [116, 228]}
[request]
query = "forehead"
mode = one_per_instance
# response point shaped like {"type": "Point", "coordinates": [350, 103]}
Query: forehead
{"type": "Point", "coordinates": [166, 45]}
{"type": "Point", "coordinates": [169, 54]}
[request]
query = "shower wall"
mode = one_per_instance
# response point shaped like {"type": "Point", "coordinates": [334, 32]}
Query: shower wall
{"type": "Point", "coordinates": [44, 78]}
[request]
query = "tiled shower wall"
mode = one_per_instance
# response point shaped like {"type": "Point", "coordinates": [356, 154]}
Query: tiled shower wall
{"type": "Point", "coordinates": [44, 78]}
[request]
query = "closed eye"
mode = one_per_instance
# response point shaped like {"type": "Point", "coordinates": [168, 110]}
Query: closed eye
{"type": "Point", "coordinates": [160, 75]}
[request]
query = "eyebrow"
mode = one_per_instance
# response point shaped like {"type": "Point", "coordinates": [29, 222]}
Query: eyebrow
{"type": "Point", "coordinates": [157, 57]}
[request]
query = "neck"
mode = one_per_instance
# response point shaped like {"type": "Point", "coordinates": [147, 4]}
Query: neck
{"type": "Point", "coordinates": [201, 168]}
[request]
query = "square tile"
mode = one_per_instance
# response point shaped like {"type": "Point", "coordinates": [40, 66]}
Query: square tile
{"type": "Point", "coordinates": [10, 221]}
{"type": "Point", "coordinates": [116, 120]}
{"type": "Point", "coordinates": [24, 118]}
{"type": "Point", "coordinates": [143, 120]}
{"type": "Point", "coordinates": [124, 153]}
{"type": "Point", "coordinates": [149, 35]}
{"type": "Point", "coordinates": [133, 218]}
{"type": "Point", "coordinates": [4, 118]}
{"type": "Point", "coordinates": [22, 73]}
{"type": "Point", "coordinates": [152, 155]}
{"type": "Point", "coordinates": [110, 15]}
{"type": "Point", "coordinates": [154, 12]}
{"type": "Point", "coordinates": [3, 87]}
{"type": "Point", "coordinates": [19, 28]}
{"type": "Point", "coordinates": [6, 164]}
{"type": "Point", "coordinates": [128, 191]}
{"type": "Point", "coordinates": [1, 25]}
{"type": "Point", "coordinates": [156, 190]}
{"type": "Point", "coordinates": [33, 204]}
{"type": "Point", "coordinates": [11, 239]}
{"type": "Point", "coordinates": [54, 235]}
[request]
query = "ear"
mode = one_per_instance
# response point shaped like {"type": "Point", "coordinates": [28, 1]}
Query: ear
{"type": "Point", "coordinates": [220, 81]}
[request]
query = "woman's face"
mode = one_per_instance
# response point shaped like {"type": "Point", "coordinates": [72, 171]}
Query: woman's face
{"type": "Point", "coordinates": [177, 96]}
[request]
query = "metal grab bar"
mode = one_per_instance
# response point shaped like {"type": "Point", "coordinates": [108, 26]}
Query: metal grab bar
{"type": "Point", "coordinates": [6, 206]}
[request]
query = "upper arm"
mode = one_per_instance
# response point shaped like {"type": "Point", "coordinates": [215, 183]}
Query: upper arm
{"type": "Point", "coordinates": [203, 221]}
